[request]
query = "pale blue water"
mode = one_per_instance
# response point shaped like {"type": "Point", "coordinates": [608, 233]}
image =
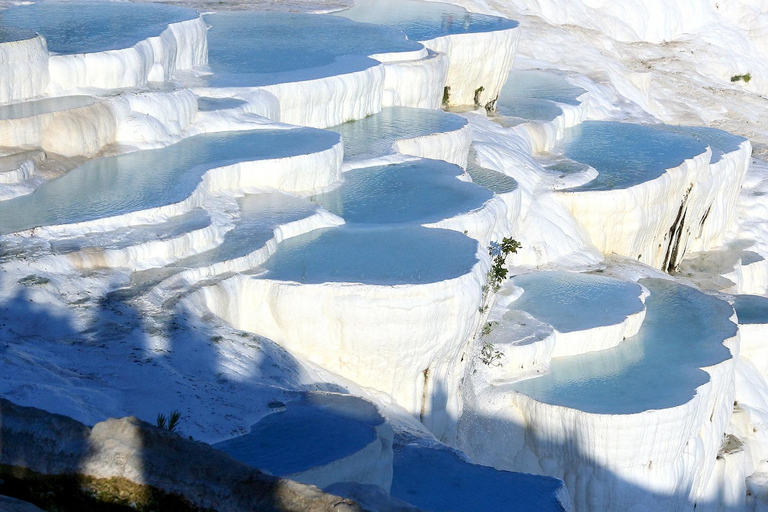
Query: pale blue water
{"type": "Point", "coordinates": [379, 256]}
{"type": "Point", "coordinates": [658, 368]}
{"type": "Point", "coordinates": [751, 309]}
{"type": "Point", "coordinates": [539, 85]}
{"type": "Point", "coordinates": [87, 27]}
{"type": "Point", "coordinates": [310, 432]}
{"type": "Point", "coordinates": [147, 179]}
{"type": "Point", "coordinates": [422, 21]}
{"type": "Point", "coordinates": [492, 180]}
{"type": "Point", "coordinates": [422, 191]}
{"type": "Point", "coordinates": [625, 154]}
{"type": "Point", "coordinates": [575, 302]}
{"type": "Point", "coordinates": [249, 48]}
{"type": "Point", "coordinates": [44, 106]}
{"type": "Point", "coordinates": [206, 104]}
{"type": "Point", "coordinates": [374, 135]}
{"type": "Point", "coordinates": [438, 480]}
{"type": "Point", "coordinates": [530, 109]}
{"type": "Point", "coordinates": [260, 214]}
{"type": "Point", "coordinates": [720, 141]}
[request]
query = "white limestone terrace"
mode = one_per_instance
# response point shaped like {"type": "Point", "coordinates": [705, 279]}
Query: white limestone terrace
{"type": "Point", "coordinates": [319, 439]}
{"type": "Point", "coordinates": [24, 60]}
{"type": "Point", "coordinates": [413, 280]}
{"type": "Point", "coordinates": [363, 68]}
{"type": "Point", "coordinates": [150, 185]}
{"type": "Point", "coordinates": [463, 36]}
{"type": "Point", "coordinates": [312, 70]}
{"type": "Point", "coordinates": [115, 44]}
{"type": "Point", "coordinates": [85, 125]}
{"type": "Point", "coordinates": [636, 425]}
{"type": "Point", "coordinates": [659, 192]}
{"type": "Point", "coordinates": [578, 313]}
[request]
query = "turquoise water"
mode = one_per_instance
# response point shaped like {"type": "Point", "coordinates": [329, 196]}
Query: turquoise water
{"type": "Point", "coordinates": [625, 154]}
{"type": "Point", "coordinates": [422, 21]}
{"type": "Point", "coordinates": [117, 185]}
{"type": "Point", "coordinates": [537, 85]}
{"type": "Point", "coordinates": [87, 27]}
{"type": "Point", "coordinates": [44, 106]}
{"type": "Point", "coordinates": [529, 109]}
{"type": "Point", "coordinates": [378, 256]}
{"type": "Point", "coordinates": [658, 368]}
{"type": "Point", "coordinates": [374, 135]}
{"type": "Point", "coordinates": [313, 431]}
{"type": "Point", "coordinates": [437, 479]}
{"type": "Point", "coordinates": [248, 48]}
{"type": "Point", "coordinates": [576, 302]}
{"type": "Point", "coordinates": [751, 309]}
{"type": "Point", "coordinates": [492, 180]}
{"type": "Point", "coordinates": [720, 141]}
{"type": "Point", "coordinates": [421, 191]}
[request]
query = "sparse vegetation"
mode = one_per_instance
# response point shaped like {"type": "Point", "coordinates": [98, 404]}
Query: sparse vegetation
{"type": "Point", "coordinates": [488, 327]}
{"type": "Point", "coordinates": [446, 95]}
{"type": "Point", "coordinates": [170, 422]}
{"type": "Point", "coordinates": [746, 77]}
{"type": "Point", "coordinates": [499, 252]}
{"type": "Point", "coordinates": [489, 355]}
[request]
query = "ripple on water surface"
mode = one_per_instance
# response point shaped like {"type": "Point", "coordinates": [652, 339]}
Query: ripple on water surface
{"type": "Point", "coordinates": [625, 154]}
{"type": "Point", "coordinates": [658, 368]}
{"type": "Point", "coordinates": [87, 27]}
{"type": "Point", "coordinates": [377, 256]}
{"type": "Point", "coordinates": [248, 48]}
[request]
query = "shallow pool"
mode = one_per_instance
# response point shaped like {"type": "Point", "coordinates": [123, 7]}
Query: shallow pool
{"type": "Point", "coordinates": [575, 302]}
{"type": "Point", "coordinates": [310, 432]}
{"type": "Point", "coordinates": [422, 21]}
{"type": "Point", "coordinates": [87, 27]}
{"type": "Point", "coordinates": [530, 109]}
{"type": "Point", "coordinates": [378, 256]}
{"type": "Point", "coordinates": [251, 48]}
{"type": "Point", "coordinates": [117, 185]}
{"type": "Point", "coordinates": [751, 309]}
{"type": "Point", "coordinates": [421, 191]}
{"type": "Point", "coordinates": [625, 154]}
{"type": "Point", "coordinates": [374, 135]}
{"type": "Point", "coordinates": [539, 85]}
{"type": "Point", "coordinates": [720, 141]}
{"type": "Point", "coordinates": [260, 214]}
{"type": "Point", "coordinates": [660, 367]}
{"type": "Point", "coordinates": [44, 106]}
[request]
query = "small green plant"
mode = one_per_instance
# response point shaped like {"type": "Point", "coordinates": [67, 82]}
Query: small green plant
{"type": "Point", "coordinates": [446, 95]}
{"type": "Point", "coordinates": [499, 252]}
{"type": "Point", "coordinates": [746, 77]}
{"type": "Point", "coordinates": [488, 327]}
{"type": "Point", "coordinates": [170, 422]}
{"type": "Point", "coordinates": [489, 355]}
